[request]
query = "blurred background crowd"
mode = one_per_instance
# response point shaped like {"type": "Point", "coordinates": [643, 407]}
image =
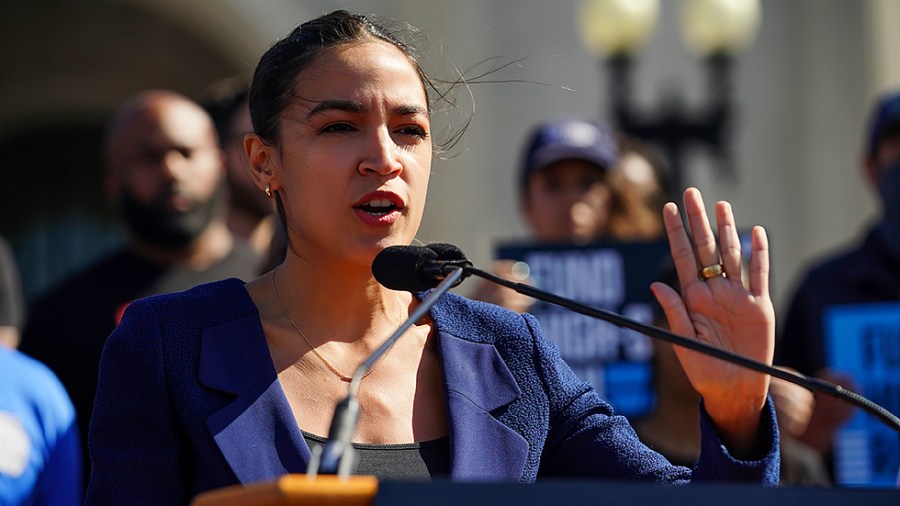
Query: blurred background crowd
{"type": "Point", "coordinates": [775, 116]}
{"type": "Point", "coordinates": [800, 90]}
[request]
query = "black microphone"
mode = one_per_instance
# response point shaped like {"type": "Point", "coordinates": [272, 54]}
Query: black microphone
{"type": "Point", "coordinates": [429, 270]}
{"type": "Point", "coordinates": [403, 268]}
{"type": "Point", "coordinates": [417, 268]}
{"type": "Point", "coordinates": [397, 265]}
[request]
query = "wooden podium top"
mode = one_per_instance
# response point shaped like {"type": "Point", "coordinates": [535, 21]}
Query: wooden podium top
{"type": "Point", "coordinates": [295, 489]}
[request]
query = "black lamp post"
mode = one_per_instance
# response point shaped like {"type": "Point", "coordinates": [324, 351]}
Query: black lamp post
{"type": "Point", "coordinates": [715, 29]}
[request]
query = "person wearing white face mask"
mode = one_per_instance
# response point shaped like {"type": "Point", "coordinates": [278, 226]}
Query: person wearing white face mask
{"type": "Point", "coordinates": [866, 273]}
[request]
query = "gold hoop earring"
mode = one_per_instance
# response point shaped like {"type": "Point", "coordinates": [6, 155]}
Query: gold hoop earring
{"type": "Point", "coordinates": [268, 190]}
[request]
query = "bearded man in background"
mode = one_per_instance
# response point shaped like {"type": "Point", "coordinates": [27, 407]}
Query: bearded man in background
{"type": "Point", "coordinates": [166, 180]}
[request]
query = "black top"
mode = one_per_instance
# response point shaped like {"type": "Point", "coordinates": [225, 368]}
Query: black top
{"type": "Point", "coordinates": [411, 461]}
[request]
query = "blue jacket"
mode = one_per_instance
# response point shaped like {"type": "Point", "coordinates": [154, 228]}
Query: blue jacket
{"type": "Point", "coordinates": [189, 401]}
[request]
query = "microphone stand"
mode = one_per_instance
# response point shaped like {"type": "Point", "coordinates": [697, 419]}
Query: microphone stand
{"type": "Point", "coordinates": [813, 384]}
{"type": "Point", "coordinates": [338, 456]}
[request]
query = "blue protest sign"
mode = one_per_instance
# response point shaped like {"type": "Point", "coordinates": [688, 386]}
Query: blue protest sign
{"type": "Point", "coordinates": [612, 276]}
{"type": "Point", "coordinates": [863, 340]}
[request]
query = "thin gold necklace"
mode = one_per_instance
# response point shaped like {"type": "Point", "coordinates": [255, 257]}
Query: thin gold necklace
{"type": "Point", "coordinates": [333, 369]}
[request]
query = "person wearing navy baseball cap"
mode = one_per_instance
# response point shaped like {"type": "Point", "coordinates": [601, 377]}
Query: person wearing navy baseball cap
{"type": "Point", "coordinates": [866, 273]}
{"type": "Point", "coordinates": [580, 182]}
{"type": "Point", "coordinates": [563, 180]}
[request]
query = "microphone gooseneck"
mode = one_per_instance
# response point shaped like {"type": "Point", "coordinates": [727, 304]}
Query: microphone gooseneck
{"type": "Point", "coordinates": [435, 267]}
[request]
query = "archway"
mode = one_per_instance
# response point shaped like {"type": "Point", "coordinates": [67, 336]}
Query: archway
{"type": "Point", "coordinates": [66, 67]}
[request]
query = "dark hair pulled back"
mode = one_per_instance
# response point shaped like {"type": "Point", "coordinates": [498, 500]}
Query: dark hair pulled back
{"type": "Point", "coordinates": [271, 91]}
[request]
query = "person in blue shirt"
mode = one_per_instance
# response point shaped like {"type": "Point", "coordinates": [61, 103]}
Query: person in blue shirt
{"type": "Point", "coordinates": [40, 450]}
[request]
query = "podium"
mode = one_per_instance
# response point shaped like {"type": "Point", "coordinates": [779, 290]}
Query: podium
{"type": "Point", "coordinates": [366, 490]}
{"type": "Point", "coordinates": [295, 489]}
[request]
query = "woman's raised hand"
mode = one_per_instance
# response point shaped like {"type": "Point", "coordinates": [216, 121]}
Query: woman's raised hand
{"type": "Point", "coordinates": [716, 307]}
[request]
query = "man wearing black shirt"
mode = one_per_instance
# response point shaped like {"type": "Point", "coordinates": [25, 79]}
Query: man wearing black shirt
{"type": "Point", "coordinates": [166, 179]}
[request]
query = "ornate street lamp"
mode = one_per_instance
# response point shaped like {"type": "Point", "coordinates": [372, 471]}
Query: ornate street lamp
{"type": "Point", "coordinates": [713, 29]}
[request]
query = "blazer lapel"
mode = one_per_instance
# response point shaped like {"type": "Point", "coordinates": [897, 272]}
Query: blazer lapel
{"type": "Point", "coordinates": [260, 440]}
{"type": "Point", "coordinates": [478, 382]}
{"type": "Point", "coordinates": [256, 432]}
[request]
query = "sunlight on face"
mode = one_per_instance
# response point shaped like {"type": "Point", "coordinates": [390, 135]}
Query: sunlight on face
{"type": "Point", "coordinates": [355, 153]}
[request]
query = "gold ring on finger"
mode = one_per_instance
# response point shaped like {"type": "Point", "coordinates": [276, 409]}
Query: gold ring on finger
{"type": "Point", "coordinates": [711, 271]}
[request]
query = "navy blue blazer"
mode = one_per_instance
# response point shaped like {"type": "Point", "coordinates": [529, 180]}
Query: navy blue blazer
{"type": "Point", "coordinates": [189, 400]}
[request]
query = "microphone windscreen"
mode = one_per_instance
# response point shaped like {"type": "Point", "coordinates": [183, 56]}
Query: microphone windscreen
{"type": "Point", "coordinates": [447, 252]}
{"type": "Point", "coordinates": [401, 268]}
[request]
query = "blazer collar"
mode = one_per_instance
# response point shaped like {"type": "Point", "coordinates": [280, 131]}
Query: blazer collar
{"type": "Point", "coordinates": [478, 385]}
{"type": "Point", "coordinates": [256, 432]}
